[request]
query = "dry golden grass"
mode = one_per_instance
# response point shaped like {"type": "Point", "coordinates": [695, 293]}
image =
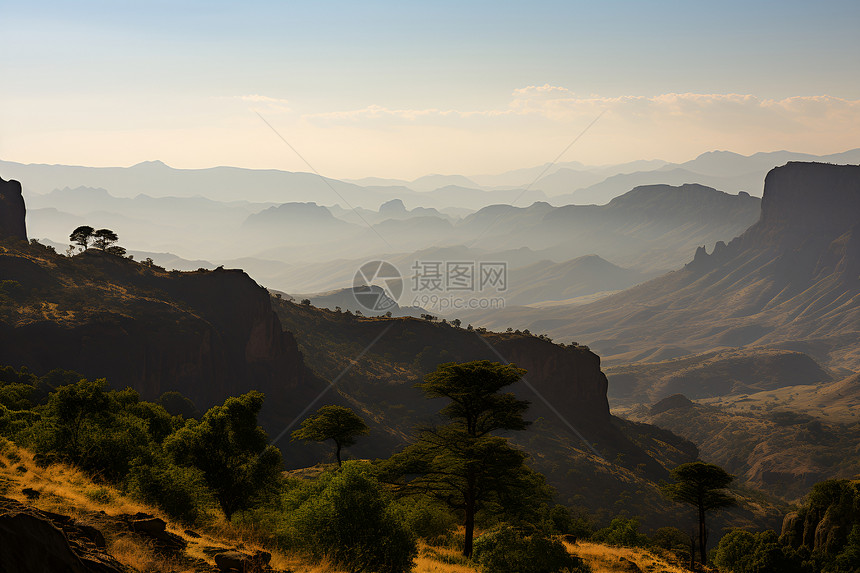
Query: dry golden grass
{"type": "Point", "coordinates": [66, 490]}
{"type": "Point", "coordinates": [606, 559]}
{"type": "Point", "coordinates": [430, 560]}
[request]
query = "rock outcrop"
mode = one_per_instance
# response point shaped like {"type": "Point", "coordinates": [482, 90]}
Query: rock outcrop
{"type": "Point", "coordinates": [34, 541]}
{"type": "Point", "coordinates": [12, 211]}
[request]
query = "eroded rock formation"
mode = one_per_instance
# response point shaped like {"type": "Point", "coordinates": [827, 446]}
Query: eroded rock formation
{"type": "Point", "coordinates": [12, 211]}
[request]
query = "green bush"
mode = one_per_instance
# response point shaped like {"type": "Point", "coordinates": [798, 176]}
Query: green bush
{"type": "Point", "coordinates": [622, 532]}
{"type": "Point", "coordinates": [674, 540]}
{"type": "Point", "coordinates": [848, 561]}
{"type": "Point", "coordinates": [427, 520]}
{"type": "Point", "coordinates": [505, 550]}
{"type": "Point", "coordinates": [740, 551]}
{"type": "Point", "coordinates": [566, 521]}
{"type": "Point", "coordinates": [353, 522]}
{"type": "Point", "coordinates": [180, 492]}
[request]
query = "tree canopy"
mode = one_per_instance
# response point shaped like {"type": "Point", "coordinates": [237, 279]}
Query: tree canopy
{"type": "Point", "coordinates": [82, 236]}
{"type": "Point", "coordinates": [336, 423]}
{"type": "Point", "coordinates": [231, 450]}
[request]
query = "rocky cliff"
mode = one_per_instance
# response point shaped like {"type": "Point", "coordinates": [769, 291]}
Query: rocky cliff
{"type": "Point", "coordinates": [12, 211]}
{"type": "Point", "coordinates": [207, 334]}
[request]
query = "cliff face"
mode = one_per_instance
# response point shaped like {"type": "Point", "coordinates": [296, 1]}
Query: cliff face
{"type": "Point", "coordinates": [12, 211]}
{"type": "Point", "coordinates": [806, 200]}
{"type": "Point", "coordinates": [209, 335]}
{"type": "Point", "coordinates": [569, 379]}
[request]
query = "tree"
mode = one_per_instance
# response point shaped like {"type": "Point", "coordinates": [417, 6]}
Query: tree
{"type": "Point", "coordinates": [231, 450]}
{"type": "Point", "coordinates": [473, 388]}
{"type": "Point", "coordinates": [70, 412]}
{"type": "Point", "coordinates": [82, 236]}
{"type": "Point", "coordinates": [104, 238]}
{"type": "Point", "coordinates": [116, 251]}
{"type": "Point", "coordinates": [701, 485]}
{"type": "Point", "coordinates": [461, 464]}
{"type": "Point", "coordinates": [336, 423]}
{"type": "Point", "coordinates": [101, 431]}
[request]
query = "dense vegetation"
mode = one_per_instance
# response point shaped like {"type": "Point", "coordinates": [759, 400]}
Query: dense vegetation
{"type": "Point", "coordinates": [196, 469]}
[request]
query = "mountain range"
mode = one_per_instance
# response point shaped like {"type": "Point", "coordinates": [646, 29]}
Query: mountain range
{"type": "Point", "coordinates": [790, 281]}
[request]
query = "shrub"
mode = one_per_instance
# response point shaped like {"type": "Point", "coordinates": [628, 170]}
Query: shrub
{"type": "Point", "coordinates": [674, 540]}
{"type": "Point", "coordinates": [353, 522]}
{"type": "Point", "coordinates": [180, 492]}
{"type": "Point", "coordinates": [623, 532]}
{"type": "Point", "coordinates": [508, 551]}
{"type": "Point", "coordinates": [427, 520]}
{"type": "Point", "coordinates": [740, 551]}
{"type": "Point", "coordinates": [574, 522]}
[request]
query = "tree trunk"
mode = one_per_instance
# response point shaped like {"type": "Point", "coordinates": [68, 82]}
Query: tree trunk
{"type": "Point", "coordinates": [702, 537]}
{"type": "Point", "coordinates": [470, 516]}
{"type": "Point", "coordinates": [693, 550]}
{"type": "Point", "coordinates": [337, 454]}
{"type": "Point", "coordinates": [470, 529]}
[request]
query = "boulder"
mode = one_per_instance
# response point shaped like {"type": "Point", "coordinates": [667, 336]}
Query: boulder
{"type": "Point", "coordinates": [155, 529]}
{"type": "Point", "coordinates": [35, 541]}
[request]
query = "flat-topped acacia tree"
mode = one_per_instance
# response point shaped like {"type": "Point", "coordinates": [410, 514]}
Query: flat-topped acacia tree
{"type": "Point", "coordinates": [336, 423]}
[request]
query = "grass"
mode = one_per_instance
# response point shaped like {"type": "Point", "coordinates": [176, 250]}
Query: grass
{"type": "Point", "coordinates": [607, 559]}
{"type": "Point", "coordinates": [66, 490]}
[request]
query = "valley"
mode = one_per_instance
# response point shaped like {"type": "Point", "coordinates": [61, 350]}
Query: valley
{"type": "Point", "coordinates": [744, 357]}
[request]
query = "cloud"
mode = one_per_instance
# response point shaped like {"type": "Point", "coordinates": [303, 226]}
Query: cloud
{"type": "Point", "coordinates": [265, 103]}
{"type": "Point", "coordinates": [559, 104]}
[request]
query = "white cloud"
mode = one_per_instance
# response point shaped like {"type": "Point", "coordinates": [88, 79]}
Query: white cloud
{"type": "Point", "coordinates": [560, 104]}
{"type": "Point", "coordinates": [265, 103]}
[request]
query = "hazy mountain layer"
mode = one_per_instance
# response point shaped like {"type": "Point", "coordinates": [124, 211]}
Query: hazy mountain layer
{"type": "Point", "coordinates": [723, 170]}
{"type": "Point", "coordinates": [790, 281]}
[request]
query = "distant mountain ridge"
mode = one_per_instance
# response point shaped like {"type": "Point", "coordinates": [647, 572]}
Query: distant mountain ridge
{"type": "Point", "coordinates": [724, 170]}
{"type": "Point", "coordinates": [790, 281]}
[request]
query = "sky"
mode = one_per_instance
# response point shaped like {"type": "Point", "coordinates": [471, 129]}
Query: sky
{"type": "Point", "coordinates": [405, 89]}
